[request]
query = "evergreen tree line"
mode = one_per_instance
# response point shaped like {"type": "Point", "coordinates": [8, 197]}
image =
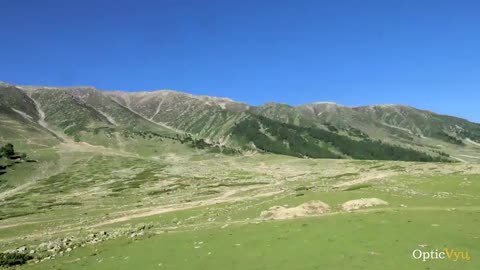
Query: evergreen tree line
{"type": "Point", "coordinates": [316, 143]}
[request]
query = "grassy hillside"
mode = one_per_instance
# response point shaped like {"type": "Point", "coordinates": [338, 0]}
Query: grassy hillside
{"type": "Point", "coordinates": [393, 124]}
{"type": "Point", "coordinates": [125, 181]}
{"type": "Point", "coordinates": [175, 211]}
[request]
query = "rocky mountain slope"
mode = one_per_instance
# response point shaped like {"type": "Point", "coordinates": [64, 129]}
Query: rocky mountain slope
{"type": "Point", "coordinates": [207, 117]}
{"type": "Point", "coordinates": [317, 130]}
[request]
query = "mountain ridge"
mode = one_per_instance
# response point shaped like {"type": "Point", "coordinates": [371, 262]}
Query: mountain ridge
{"type": "Point", "coordinates": [173, 91]}
{"type": "Point", "coordinates": [319, 129]}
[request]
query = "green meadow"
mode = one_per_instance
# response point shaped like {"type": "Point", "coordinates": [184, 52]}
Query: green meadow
{"type": "Point", "coordinates": [198, 210]}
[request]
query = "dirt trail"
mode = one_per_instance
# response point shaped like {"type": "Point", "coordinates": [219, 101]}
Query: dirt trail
{"type": "Point", "coordinates": [459, 159]}
{"type": "Point", "coordinates": [228, 196]}
{"type": "Point", "coordinates": [6, 226]}
{"type": "Point", "coordinates": [468, 156]}
{"type": "Point", "coordinates": [10, 192]}
{"type": "Point", "coordinates": [363, 180]}
{"type": "Point", "coordinates": [54, 168]}
{"type": "Point", "coordinates": [176, 229]}
{"type": "Point", "coordinates": [86, 147]}
{"type": "Point", "coordinates": [46, 170]}
{"type": "Point", "coordinates": [472, 142]}
{"type": "Point", "coordinates": [224, 198]}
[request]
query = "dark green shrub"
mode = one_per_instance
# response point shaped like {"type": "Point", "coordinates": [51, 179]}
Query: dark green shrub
{"type": "Point", "coordinates": [12, 259]}
{"type": "Point", "coordinates": [7, 150]}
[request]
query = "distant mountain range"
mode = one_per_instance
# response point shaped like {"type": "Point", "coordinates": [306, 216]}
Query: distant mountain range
{"type": "Point", "coordinates": [318, 130]}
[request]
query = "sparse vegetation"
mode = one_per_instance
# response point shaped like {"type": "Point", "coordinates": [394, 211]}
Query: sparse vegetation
{"type": "Point", "coordinates": [209, 198]}
{"type": "Point", "coordinates": [357, 187]}
{"type": "Point", "coordinates": [200, 143]}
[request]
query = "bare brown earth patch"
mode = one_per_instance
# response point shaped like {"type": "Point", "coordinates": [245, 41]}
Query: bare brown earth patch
{"type": "Point", "coordinates": [362, 203]}
{"type": "Point", "coordinates": [313, 208]}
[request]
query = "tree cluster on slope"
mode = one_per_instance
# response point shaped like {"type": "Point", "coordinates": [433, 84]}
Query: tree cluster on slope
{"type": "Point", "coordinates": [8, 157]}
{"type": "Point", "coordinates": [200, 143]}
{"type": "Point", "coordinates": [7, 150]}
{"type": "Point", "coordinates": [447, 138]}
{"type": "Point", "coordinates": [280, 138]}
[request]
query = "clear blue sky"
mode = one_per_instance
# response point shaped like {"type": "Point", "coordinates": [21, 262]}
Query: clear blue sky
{"type": "Point", "coordinates": [358, 52]}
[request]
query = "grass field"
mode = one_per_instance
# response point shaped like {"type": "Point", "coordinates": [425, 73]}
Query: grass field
{"type": "Point", "coordinates": [197, 210]}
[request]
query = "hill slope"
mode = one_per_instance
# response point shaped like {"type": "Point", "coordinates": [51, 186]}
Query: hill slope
{"type": "Point", "coordinates": [317, 130]}
{"type": "Point", "coordinates": [394, 124]}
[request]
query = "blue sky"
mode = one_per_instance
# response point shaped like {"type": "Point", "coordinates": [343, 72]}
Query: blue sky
{"type": "Point", "coordinates": [420, 53]}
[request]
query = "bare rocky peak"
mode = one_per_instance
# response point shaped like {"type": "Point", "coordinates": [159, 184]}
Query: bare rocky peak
{"type": "Point", "coordinates": [332, 106]}
{"type": "Point", "coordinates": [274, 104]}
{"type": "Point", "coordinates": [318, 108]}
{"type": "Point", "coordinates": [65, 88]}
{"type": "Point", "coordinates": [176, 97]}
{"type": "Point", "coordinates": [171, 95]}
{"type": "Point", "coordinates": [4, 84]}
{"type": "Point", "coordinates": [326, 103]}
